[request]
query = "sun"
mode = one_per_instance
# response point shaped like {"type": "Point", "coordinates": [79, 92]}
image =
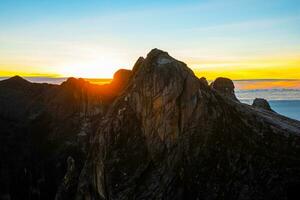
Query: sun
{"type": "Point", "coordinates": [87, 71]}
{"type": "Point", "coordinates": [90, 70]}
{"type": "Point", "coordinates": [89, 63]}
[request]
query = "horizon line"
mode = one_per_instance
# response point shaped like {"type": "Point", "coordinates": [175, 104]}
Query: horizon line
{"type": "Point", "coordinates": [105, 78]}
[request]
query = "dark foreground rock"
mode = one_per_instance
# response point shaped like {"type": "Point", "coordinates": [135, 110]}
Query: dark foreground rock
{"type": "Point", "coordinates": [41, 126]}
{"type": "Point", "coordinates": [170, 136]}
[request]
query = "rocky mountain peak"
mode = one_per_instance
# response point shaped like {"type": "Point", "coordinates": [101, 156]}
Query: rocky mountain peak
{"type": "Point", "coordinates": [74, 82]}
{"type": "Point", "coordinates": [157, 59]}
{"type": "Point", "coordinates": [225, 86]}
{"type": "Point", "coordinates": [138, 64]}
{"type": "Point", "coordinates": [161, 66]}
{"type": "Point", "coordinates": [122, 74]}
{"type": "Point", "coordinates": [17, 78]}
{"type": "Point", "coordinates": [16, 81]}
{"type": "Point", "coordinates": [160, 56]}
{"type": "Point", "coordinates": [204, 81]}
{"type": "Point", "coordinates": [262, 103]}
{"type": "Point", "coordinates": [121, 77]}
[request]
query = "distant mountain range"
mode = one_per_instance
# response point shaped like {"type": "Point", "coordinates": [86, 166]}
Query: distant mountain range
{"type": "Point", "coordinates": [251, 84]}
{"type": "Point", "coordinates": [155, 132]}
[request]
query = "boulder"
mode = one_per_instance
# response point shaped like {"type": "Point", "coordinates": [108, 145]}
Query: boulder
{"type": "Point", "coordinates": [225, 86]}
{"type": "Point", "coordinates": [262, 103]}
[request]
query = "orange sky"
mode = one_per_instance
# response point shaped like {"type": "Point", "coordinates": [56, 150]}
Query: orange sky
{"type": "Point", "coordinates": [268, 84]}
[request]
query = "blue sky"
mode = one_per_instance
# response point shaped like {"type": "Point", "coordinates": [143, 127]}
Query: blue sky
{"type": "Point", "coordinates": [63, 36]}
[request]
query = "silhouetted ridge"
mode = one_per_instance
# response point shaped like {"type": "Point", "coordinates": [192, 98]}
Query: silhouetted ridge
{"type": "Point", "coordinates": [15, 81]}
{"type": "Point", "coordinates": [75, 82]}
{"type": "Point", "coordinates": [156, 132]}
{"type": "Point", "coordinates": [138, 64]}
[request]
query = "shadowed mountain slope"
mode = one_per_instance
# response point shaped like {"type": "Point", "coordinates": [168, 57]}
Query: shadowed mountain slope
{"type": "Point", "coordinates": [42, 125]}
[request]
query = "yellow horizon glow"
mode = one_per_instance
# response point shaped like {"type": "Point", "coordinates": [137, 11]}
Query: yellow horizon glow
{"type": "Point", "coordinates": [28, 74]}
{"type": "Point", "coordinates": [277, 68]}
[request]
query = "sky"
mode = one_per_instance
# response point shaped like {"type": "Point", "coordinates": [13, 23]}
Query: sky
{"type": "Point", "coordinates": [239, 39]}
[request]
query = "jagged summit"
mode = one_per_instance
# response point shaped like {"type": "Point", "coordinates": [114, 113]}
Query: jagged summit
{"type": "Point", "coordinates": [160, 66]}
{"type": "Point", "coordinates": [137, 64]}
{"type": "Point", "coordinates": [156, 52]}
{"type": "Point", "coordinates": [157, 58]}
{"type": "Point", "coordinates": [17, 77]}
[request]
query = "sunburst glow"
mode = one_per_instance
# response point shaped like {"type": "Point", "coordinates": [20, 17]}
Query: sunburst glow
{"type": "Point", "coordinates": [89, 70]}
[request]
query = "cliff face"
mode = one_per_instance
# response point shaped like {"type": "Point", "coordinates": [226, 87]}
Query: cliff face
{"type": "Point", "coordinates": [156, 132]}
{"type": "Point", "coordinates": [171, 136]}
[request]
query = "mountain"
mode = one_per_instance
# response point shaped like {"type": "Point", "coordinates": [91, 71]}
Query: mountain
{"type": "Point", "coordinates": [154, 132]}
{"type": "Point", "coordinates": [170, 136]}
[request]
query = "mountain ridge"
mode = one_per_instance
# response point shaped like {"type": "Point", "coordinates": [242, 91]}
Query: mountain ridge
{"type": "Point", "coordinates": [156, 132]}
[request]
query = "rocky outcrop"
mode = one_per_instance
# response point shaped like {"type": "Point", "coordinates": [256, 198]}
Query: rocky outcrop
{"type": "Point", "coordinates": [204, 81]}
{"type": "Point", "coordinates": [169, 136]}
{"type": "Point", "coordinates": [225, 86]}
{"type": "Point", "coordinates": [262, 103]}
{"type": "Point", "coordinates": [121, 77]}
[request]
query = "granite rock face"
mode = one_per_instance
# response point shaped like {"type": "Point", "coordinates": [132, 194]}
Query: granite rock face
{"type": "Point", "coordinates": [171, 136]}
